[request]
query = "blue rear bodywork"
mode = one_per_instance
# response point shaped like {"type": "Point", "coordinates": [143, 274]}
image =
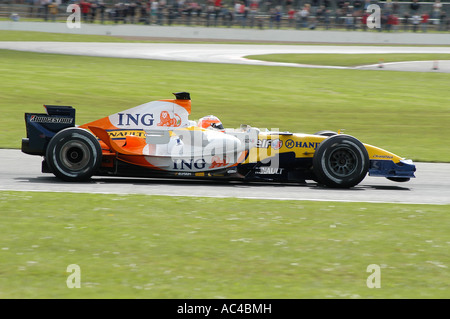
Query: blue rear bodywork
{"type": "Point", "coordinates": [41, 127]}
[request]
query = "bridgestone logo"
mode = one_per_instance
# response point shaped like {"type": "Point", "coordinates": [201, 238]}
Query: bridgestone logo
{"type": "Point", "coordinates": [50, 119]}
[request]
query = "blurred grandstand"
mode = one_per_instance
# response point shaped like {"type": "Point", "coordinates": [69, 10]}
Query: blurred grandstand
{"type": "Point", "coordinates": [275, 14]}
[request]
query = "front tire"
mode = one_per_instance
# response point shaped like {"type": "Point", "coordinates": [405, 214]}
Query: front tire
{"type": "Point", "coordinates": [340, 161]}
{"type": "Point", "coordinates": [73, 154]}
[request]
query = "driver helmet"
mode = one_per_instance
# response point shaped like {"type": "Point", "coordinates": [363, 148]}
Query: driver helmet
{"type": "Point", "coordinates": [210, 121]}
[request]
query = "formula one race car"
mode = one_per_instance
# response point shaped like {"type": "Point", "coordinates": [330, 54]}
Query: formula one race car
{"type": "Point", "coordinates": [157, 139]}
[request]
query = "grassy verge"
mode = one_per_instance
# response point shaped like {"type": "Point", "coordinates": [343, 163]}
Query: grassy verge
{"type": "Point", "coordinates": [137, 246]}
{"type": "Point", "coordinates": [347, 59]}
{"type": "Point", "coordinates": [62, 37]}
{"type": "Point", "coordinates": [59, 37]}
{"type": "Point", "coordinates": [406, 113]}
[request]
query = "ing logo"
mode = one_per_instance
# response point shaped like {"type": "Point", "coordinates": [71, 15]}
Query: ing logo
{"type": "Point", "coordinates": [166, 120]}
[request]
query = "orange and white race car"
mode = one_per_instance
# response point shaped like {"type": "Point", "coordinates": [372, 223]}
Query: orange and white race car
{"type": "Point", "coordinates": [157, 139]}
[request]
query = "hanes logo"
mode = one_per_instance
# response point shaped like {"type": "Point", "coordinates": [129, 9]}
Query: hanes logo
{"type": "Point", "coordinates": [291, 143]}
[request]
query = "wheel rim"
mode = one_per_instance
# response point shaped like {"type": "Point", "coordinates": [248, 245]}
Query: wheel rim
{"type": "Point", "coordinates": [74, 155]}
{"type": "Point", "coordinates": [343, 162]}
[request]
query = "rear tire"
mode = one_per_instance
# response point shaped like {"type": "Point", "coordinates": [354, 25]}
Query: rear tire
{"type": "Point", "coordinates": [73, 154]}
{"type": "Point", "coordinates": [340, 161]}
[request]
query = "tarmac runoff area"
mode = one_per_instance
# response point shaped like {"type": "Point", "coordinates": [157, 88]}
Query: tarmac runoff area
{"type": "Point", "coordinates": [22, 172]}
{"type": "Point", "coordinates": [234, 53]}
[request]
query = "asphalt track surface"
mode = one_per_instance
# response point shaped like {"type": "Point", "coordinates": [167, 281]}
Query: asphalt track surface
{"type": "Point", "coordinates": [22, 172]}
{"type": "Point", "coordinates": [231, 53]}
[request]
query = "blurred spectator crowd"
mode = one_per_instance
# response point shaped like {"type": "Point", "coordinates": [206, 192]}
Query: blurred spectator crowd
{"type": "Point", "coordinates": [298, 14]}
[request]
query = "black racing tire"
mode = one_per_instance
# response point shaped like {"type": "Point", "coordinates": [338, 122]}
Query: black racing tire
{"type": "Point", "coordinates": [340, 161]}
{"type": "Point", "coordinates": [73, 154]}
{"type": "Point", "coordinates": [326, 133]}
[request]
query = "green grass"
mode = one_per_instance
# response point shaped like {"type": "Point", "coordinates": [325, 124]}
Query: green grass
{"type": "Point", "coordinates": [348, 59]}
{"type": "Point", "coordinates": [406, 113]}
{"type": "Point", "coordinates": [48, 36]}
{"type": "Point", "coordinates": [136, 246]}
{"type": "Point", "coordinates": [68, 37]}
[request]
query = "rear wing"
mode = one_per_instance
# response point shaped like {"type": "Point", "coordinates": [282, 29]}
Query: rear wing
{"type": "Point", "coordinates": [41, 127]}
